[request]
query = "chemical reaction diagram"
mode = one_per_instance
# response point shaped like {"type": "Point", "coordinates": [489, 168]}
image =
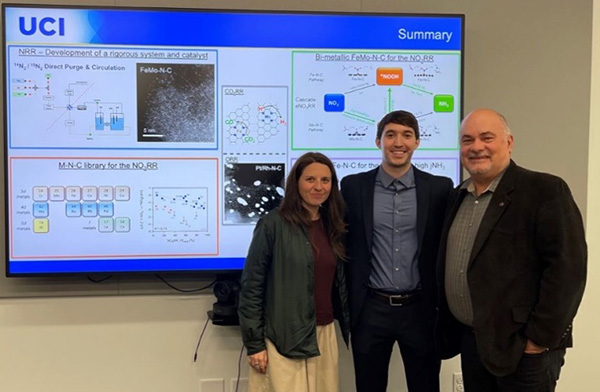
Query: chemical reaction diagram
{"type": "Point", "coordinates": [255, 119]}
{"type": "Point", "coordinates": [69, 110]}
{"type": "Point", "coordinates": [338, 97]}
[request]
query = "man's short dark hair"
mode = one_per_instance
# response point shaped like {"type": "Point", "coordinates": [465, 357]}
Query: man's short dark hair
{"type": "Point", "coordinates": [400, 117]}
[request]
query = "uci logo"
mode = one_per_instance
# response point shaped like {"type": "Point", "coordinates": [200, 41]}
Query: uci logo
{"type": "Point", "coordinates": [47, 26]}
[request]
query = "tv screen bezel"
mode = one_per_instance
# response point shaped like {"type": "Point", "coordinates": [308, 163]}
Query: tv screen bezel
{"type": "Point", "coordinates": [209, 271]}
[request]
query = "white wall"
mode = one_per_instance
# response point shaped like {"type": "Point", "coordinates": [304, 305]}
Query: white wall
{"type": "Point", "coordinates": [133, 343]}
{"type": "Point", "coordinates": [581, 371]}
{"type": "Point", "coordinates": [124, 344]}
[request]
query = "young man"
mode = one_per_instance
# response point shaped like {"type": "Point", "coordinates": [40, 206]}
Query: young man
{"type": "Point", "coordinates": [394, 216]}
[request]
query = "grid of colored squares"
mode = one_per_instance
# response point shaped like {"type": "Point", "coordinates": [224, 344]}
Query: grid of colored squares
{"type": "Point", "coordinates": [86, 201]}
{"type": "Point", "coordinates": [77, 193]}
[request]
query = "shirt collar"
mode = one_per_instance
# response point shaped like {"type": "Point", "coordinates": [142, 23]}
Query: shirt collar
{"type": "Point", "coordinates": [407, 180]}
{"type": "Point", "coordinates": [470, 187]}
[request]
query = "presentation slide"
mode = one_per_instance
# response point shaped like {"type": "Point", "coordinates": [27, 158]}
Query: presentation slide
{"type": "Point", "coordinates": [149, 140]}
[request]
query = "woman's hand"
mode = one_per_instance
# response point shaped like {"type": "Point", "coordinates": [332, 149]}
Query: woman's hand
{"type": "Point", "coordinates": [259, 361]}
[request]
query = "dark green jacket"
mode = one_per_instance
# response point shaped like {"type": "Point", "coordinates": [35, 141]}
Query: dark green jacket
{"type": "Point", "coordinates": [276, 299]}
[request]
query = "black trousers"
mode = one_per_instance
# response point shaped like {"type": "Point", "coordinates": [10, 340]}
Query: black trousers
{"type": "Point", "coordinates": [379, 328]}
{"type": "Point", "coordinates": [535, 372]}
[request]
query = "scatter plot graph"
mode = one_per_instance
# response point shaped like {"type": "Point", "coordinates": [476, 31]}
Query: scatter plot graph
{"type": "Point", "coordinates": [179, 210]}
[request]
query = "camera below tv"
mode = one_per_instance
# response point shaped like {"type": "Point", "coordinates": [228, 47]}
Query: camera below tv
{"type": "Point", "coordinates": [224, 311]}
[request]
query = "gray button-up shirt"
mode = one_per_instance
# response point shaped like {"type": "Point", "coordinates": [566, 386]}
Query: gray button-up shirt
{"type": "Point", "coordinates": [394, 260]}
{"type": "Point", "coordinates": [461, 238]}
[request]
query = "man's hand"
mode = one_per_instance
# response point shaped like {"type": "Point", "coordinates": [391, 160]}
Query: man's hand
{"type": "Point", "coordinates": [259, 361]}
{"type": "Point", "coordinates": [532, 348]}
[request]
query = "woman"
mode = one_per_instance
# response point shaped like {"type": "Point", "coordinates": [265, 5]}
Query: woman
{"type": "Point", "coordinates": [293, 285]}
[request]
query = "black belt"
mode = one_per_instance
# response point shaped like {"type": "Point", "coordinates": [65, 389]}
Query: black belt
{"type": "Point", "coordinates": [395, 299]}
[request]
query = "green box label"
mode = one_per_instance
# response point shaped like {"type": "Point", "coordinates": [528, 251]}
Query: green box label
{"type": "Point", "coordinates": [443, 103]}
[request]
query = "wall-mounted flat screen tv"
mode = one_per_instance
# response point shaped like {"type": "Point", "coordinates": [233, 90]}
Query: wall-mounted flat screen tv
{"type": "Point", "coordinates": [149, 140]}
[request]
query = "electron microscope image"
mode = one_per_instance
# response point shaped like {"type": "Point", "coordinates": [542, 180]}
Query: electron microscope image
{"type": "Point", "coordinates": [176, 103]}
{"type": "Point", "coordinates": [252, 190]}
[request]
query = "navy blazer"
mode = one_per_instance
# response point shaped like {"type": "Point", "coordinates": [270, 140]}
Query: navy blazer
{"type": "Point", "coordinates": [358, 191]}
{"type": "Point", "coordinates": [526, 272]}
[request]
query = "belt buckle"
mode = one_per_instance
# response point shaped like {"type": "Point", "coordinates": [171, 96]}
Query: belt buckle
{"type": "Point", "coordinates": [398, 297]}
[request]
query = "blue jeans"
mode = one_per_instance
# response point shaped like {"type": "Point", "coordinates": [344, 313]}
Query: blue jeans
{"type": "Point", "coordinates": [535, 372]}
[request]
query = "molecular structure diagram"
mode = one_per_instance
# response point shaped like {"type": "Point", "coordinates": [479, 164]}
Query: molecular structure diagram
{"type": "Point", "coordinates": [248, 125]}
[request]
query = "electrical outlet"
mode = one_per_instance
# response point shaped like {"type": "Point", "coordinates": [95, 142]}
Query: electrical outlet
{"type": "Point", "coordinates": [457, 383]}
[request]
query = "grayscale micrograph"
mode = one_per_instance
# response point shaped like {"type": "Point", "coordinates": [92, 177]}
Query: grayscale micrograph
{"type": "Point", "coordinates": [176, 103]}
{"type": "Point", "coordinates": [252, 190]}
